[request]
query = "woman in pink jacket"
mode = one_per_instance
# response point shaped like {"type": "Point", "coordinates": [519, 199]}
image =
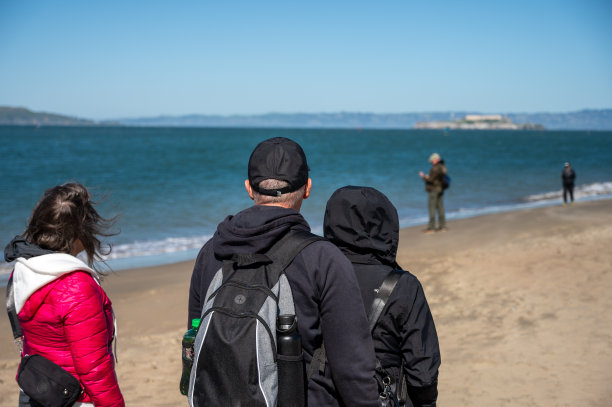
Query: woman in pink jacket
{"type": "Point", "coordinates": [64, 313]}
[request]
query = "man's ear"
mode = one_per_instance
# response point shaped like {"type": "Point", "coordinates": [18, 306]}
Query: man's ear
{"type": "Point", "coordinates": [247, 185]}
{"type": "Point", "coordinates": [307, 189]}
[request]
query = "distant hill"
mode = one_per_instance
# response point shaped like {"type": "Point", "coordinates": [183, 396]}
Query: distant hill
{"type": "Point", "coordinates": [19, 116]}
{"type": "Point", "coordinates": [291, 120]}
{"type": "Point", "coordinates": [581, 120]}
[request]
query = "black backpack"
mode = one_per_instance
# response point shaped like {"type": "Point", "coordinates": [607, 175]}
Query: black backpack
{"type": "Point", "coordinates": [235, 350]}
{"type": "Point", "coordinates": [446, 181]}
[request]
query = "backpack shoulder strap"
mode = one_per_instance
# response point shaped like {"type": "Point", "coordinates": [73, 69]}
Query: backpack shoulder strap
{"type": "Point", "coordinates": [278, 257]}
{"type": "Point", "coordinates": [319, 357]}
{"type": "Point", "coordinates": [382, 296]}
{"type": "Point", "coordinates": [289, 246]}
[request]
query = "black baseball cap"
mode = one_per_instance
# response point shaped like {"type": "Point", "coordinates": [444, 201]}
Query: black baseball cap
{"type": "Point", "coordinates": [281, 159]}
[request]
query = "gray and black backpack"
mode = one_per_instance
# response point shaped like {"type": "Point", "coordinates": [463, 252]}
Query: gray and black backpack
{"type": "Point", "coordinates": [236, 361]}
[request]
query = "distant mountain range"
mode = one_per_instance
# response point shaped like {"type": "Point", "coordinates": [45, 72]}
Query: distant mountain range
{"type": "Point", "coordinates": [19, 116]}
{"type": "Point", "coordinates": [590, 119]}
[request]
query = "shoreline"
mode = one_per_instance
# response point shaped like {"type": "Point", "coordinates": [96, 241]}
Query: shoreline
{"type": "Point", "coordinates": [517, 299]}
{"type": "Point", "coordinates": [180, 256]}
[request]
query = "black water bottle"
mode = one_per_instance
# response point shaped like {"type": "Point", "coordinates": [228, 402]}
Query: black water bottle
{"type": "Point", "coordinates": [291, 383]}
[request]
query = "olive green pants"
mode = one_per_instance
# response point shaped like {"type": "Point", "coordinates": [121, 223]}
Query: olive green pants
{"type": "Point", "coordinates": [435, 203]}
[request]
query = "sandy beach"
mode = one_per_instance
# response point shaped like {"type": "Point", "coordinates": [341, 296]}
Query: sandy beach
{"type": "Point", "coordinates": [521, 301]}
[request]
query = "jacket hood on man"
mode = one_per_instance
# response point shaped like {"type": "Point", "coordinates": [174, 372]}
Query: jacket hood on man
{"type": "Point", "coordinates": [267, 223]}
{"type": "Point", "coordinates": [364, 224]}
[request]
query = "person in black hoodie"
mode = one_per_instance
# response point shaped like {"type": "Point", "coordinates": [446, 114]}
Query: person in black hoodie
{"type": "Point", "coordinates": [568, 176]}
{"type": "Point", "coordinates": [364, 224]}
{"type": "Point", "coordinates": [325, 291]}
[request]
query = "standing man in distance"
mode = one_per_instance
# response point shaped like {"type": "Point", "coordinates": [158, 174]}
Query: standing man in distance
{"type": "Point", "coordinates": [568, 176]}
{"type": "Point", "coordinates": [325, 291]}
{"type": "Point", "coordinates": [435, 193]}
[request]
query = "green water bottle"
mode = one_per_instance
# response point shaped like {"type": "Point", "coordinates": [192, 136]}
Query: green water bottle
{"type": "Point", "coordinates": [188, 354]}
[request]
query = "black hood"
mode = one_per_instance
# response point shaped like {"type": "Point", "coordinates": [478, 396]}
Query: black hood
{"type": "Point", "coordinates": [364, 224]}
{"type": "Point", "coordinates": [19, 247]}
{"type": "Point", "coordinates": [255, 230]}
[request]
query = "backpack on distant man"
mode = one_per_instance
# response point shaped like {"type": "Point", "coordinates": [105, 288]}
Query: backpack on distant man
{"type": "Point", "coordinates": [236, 361]}
{"type": "Point", "coordinates": [446, 182]}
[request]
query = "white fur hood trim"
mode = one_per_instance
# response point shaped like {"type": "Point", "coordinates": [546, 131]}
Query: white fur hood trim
{"type": "Point", "coordinates": [36, 272]}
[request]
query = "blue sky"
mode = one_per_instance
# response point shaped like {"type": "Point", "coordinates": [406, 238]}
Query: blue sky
{"type": "Point", "coordinates": [115, 59]}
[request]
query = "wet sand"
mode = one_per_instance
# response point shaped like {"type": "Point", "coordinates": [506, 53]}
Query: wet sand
{"type": "Point", "coordinates": [521, 301]}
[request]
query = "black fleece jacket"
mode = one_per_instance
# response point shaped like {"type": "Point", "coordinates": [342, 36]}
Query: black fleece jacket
{"type": "Point", "coordinates": [364, 224]}
{"type": "Point", "coordinates": [327, 300]}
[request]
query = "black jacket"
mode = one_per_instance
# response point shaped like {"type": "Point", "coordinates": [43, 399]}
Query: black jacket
{"type": "Point", "coordinates": [568, 175]}
{"type": "Point", "coordinates": [326, 295]}
{"type": "Point", "coordinates": [364, 224]}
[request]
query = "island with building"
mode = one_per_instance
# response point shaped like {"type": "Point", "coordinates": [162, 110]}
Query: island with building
{"type": "Point", "coordinates": [479, 122]}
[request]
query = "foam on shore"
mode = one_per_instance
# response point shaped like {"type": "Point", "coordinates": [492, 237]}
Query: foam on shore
{"type": "Point", "coordinates": [176, 249]}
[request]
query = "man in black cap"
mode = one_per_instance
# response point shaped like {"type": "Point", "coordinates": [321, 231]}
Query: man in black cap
{"type": "Point", "coordinates": [325, 291]}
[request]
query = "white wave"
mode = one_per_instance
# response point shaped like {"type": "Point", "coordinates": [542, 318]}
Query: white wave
{"type": "Point", "coordinates": [148, 248]}
{"type": "Point", "coordinates": [582, 191]}
{"type": "Point", "coordinates": [139, 249]}
{"type": "Point", "coordinates": [140, 253]}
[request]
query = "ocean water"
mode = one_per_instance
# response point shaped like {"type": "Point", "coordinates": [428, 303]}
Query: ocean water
{"type": "Point", "coordinates": [170, 187]}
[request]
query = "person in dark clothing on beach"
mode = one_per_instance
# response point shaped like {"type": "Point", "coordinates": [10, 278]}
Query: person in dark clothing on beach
{"type": "Point", "coordinates": [326, 294]}
{"type": "Point", "coordinates": [568, 176]}
{"type": "Point", "coordinates": [364, 224]}
{"type": "Point", "coordinates": [435, 193]}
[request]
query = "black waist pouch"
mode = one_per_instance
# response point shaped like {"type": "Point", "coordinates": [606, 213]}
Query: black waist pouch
{"type": "Point", "coordinates": [47, 383]}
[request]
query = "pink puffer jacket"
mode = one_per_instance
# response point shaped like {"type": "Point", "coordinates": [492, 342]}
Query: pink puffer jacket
{"type": "Point", "coordinates": [70, 321]}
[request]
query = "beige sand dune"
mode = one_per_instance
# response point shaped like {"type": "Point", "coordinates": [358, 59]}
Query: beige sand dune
{"type": "Point", "coordinates": [522, 303]}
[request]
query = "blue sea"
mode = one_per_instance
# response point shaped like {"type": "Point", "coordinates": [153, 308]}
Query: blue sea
{"type": "Point", "coordinates": [170, 187]}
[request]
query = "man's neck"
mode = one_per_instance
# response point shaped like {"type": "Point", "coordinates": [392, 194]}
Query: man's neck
{"type": "Point", "coordinates": [282, 205]}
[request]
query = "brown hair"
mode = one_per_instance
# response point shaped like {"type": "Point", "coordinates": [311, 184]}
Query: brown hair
{"type": "Point", "coordinates": [64, 214]}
